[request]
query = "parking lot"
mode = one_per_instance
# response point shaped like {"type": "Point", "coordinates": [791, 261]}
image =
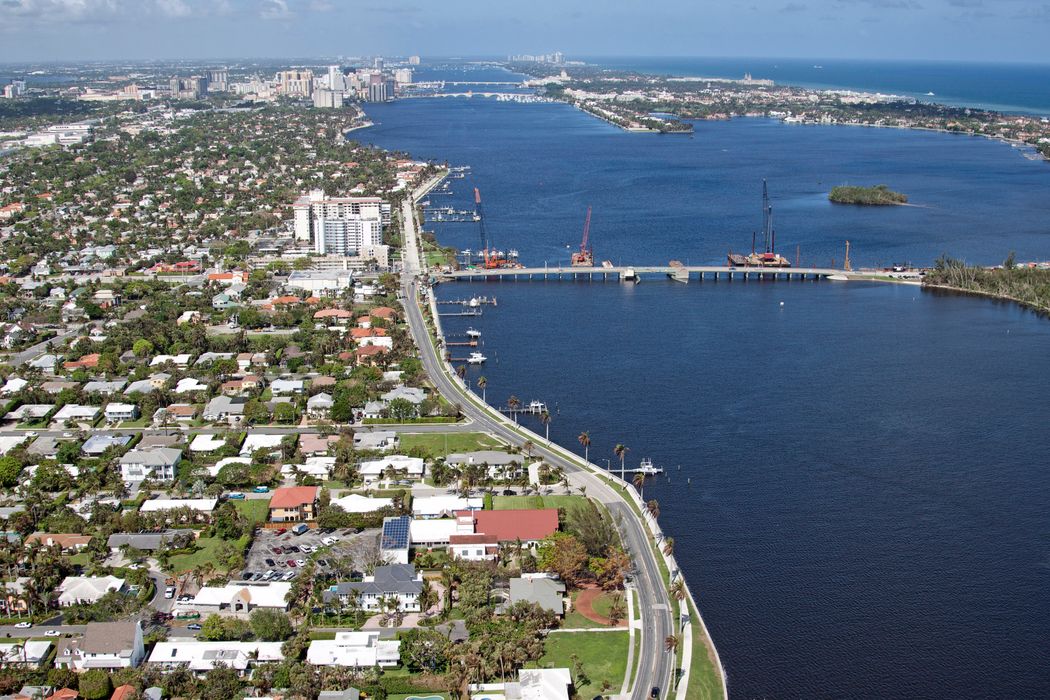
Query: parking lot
{"type": "Point", "coordinates": [338, 552]}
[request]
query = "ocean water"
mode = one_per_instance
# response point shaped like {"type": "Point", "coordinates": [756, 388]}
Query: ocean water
{"type": "Point", "coordinates": [856, 481]}
{"type": "Point", "coordinates": [1009, 87]}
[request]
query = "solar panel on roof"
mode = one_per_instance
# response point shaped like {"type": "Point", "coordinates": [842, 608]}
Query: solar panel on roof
{"type": "Point", "coordinates": [395, 533]}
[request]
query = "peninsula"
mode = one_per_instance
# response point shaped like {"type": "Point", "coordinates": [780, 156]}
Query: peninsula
{"type": "Point", "coordinates": [879, 195]}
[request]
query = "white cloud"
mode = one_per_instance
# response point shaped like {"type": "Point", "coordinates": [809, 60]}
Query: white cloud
{"type": "Point", "coordinates": [275, 9]}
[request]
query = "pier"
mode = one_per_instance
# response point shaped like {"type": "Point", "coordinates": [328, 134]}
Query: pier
{"type": "Point", "coordinates": [683, 273]}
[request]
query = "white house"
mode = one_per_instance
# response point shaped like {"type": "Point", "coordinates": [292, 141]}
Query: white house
{"type": "Point", "coordinates": [86, 589]}
{"type": "Point", "coordinates": [380, 440]}
{"type": "Point", "coordinates": [239, 598]}
{"type": "Point", "coordinates": [443, 506]}
{"type": "Point", "coordinates": [29, 653]}
{"type": "Point", "coordinates": [188, 385]}
{"type": "Point", "coordinates": [105, 645]}
{"type": "Point", "coordinates": [158, 463]}
{"type": "Point", "coordinates": [356, 503]}
{"type": "Point", "coordinates": [201, 657]}
{"type": "Point", "coordinates": [75, 412]}
{"type": "Point", "coordinates": [354, 650]}
{"type": "Point", "coordinates": [116, 412]}
{"type": "Point", "coordinates": [181, 360]}
{"type": "Point", "coordinates": [317, 467]}
{"type": "Point", "coordinates": [319, 405]}
{"type": "Point", "coordinates": [286, 386]}
{"type": "Point", "coordinates": [201, 505]}
{"type": "Point", "coordinates": [260, 441]}
{"type": "Point", "coordinates": [404, 468]}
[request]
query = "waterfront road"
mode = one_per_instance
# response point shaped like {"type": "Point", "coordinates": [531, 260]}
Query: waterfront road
{"type": "Point", "coordinates": [655, 665]}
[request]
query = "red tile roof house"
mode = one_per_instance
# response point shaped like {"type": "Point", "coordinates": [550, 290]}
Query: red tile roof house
{"type": "Point", "coordinates": [512, 525]}
{"type": "Point", "coordinates": [86, 362]}
{"type": "Point", "coordinates": [294, 504]}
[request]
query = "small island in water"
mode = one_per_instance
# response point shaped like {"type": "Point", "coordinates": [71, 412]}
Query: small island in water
{"type": "Point", "coordinates": [877, 195]}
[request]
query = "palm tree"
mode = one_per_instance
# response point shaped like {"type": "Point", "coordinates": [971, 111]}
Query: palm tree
{"type": "Point", "coordinates": [677, 589]}
{"type": "Point", "coordinates": [514, 403]}
{"type": "Point", "coordinates": [668, 547]}
{"type": "Point", "coordinates": [671, 644]}
{"type": "Point", "coordinates": [427, 597]}
{"type": "Point", "coordinates": [482, 383]}
{"type": "Point", "coordinates": [461, 371]}
{"type": "Point", "coordinates": [653, 508]}
{"type": "Point", "coordinates": [639, 483]}
{"type": "Point", "coordinates": [545, 418]}
{"type": "Point", "coordinates": [585, 440]}
{"type": "Point", "coordinates": [527, 447]}
{"type": "Point", "coordinates": [621, 452]}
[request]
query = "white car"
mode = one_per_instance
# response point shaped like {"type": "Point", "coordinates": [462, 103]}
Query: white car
{"type": "Point", "coordinates": [300, 562]}
{"type": "Point", "coordinates": [52, 633]}
{"type": "Point", "coordinates": [23, 625]}
{"type": "Point", "coordinates": [328, 541]}
{"type": "Point", "coordinates": [32, 433]}
{"type": "Point", "coordinates": [306, 548]}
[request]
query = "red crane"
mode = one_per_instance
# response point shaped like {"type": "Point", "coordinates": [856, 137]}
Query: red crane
{"type": "Point", "coordinates": [584, 258]}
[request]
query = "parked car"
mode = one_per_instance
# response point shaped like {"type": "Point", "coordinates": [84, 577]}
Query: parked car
{"type": "Point", "coordinates": [281, 531]}
{"type": "Point", "coordinates": [277, 550]}
{"type": "Point", "coordinates": [322, 562]}
{"type": "Point", "coordinates": [306, 548]}
{"type": "Point", "coordinates": [300, 562]}
{"type": "Point", "coordinates": [301, 528]}
{"type": "Point", "coordinates": [193, 626]}
{"type": "Point", "coordinates": [328, 541]}
{"type": "Point", "coordinates": [288, 576]}
{"type": "Point", "coordinates": [261, 489]}
{"type": "Point", "coordinates": [169, 592]}
{"type": "Point", "coordinates": [291, 563]}
{"type": "Point", "coordinates": [269, 562]}
{"type": "Point", "coordinates": [236, 496]}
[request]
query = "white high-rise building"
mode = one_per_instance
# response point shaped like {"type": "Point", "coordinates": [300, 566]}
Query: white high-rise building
{"type": "Point", "coordinates": [339, 225]}
{"type": "Point", "coordinates": [403, 76]}
{"type": "Point", "coordinates": [335, 79]}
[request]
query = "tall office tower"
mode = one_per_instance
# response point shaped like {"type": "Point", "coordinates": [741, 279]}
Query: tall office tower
{"type": "Point", "coordinates": [413, 60]}
{"type": "Point", "coordinates": [378, 63]}
{"type": "Point", "coordinates": [295, 83]}
{"type": "Point", "coordinates": [328, 99]}
{"type": "Point", "coordinates": [335, 78]}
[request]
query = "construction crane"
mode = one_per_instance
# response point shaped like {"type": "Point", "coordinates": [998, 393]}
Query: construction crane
{"type": "Point", "coordinates": [584, 258]}
{"type": "Point", "coordinates": [491, 260]}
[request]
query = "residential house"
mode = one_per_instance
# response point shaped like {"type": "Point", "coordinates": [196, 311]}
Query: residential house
{"type": "Point", "coordinates": [370, 355]}
{"type": "Point", "coordinates": [399, 582]}
{"type": "Point", "coordinates": [75, 413]}
{"type": "Point", "coordinates": [178, 412]}
{"type": "Point", "coordinates": [500, 465]}
{"type": "Point", "coordinates": [319, 406]}
{"type": "Point", "coordinates": [188, 385]}
{"type": "Point", "coordinates": [311, 444]}
{"type": "Point", "coordinates": [529, 526]}
{"type": "Point", "coordinates": [116, 412]}
{"type": "Point", "coordinates": [400, 466]}
{"type": "Point", "coordinates": [75, 590]}
{"type": "Point", "coordinates": [70, 543]}
{"type": "Point", "coordinates": [158, 464]}
{"type": "Point", "coordinates": [29, 413]}
{"type": "Point", "coordinates": [58, 386]}
{"type": "Point", "coordinates": [378, 440]}
{"type": "Point", "coordinates": [181, 360]}
{"type": "Point", "coordinates": [199, 505]}
{"type": "Point", "coordinates": [105, 645]}
{"type": "Point", "coordinates": [155, 382]}
{"type": "Point", "coordinates": [103, 387]}
{"type": "Point", "coordinates": [411, 394]}
{"type": "Point", "coordinates": [100, 442]}
{"type": "Point", "coordinates": [473, 547]}
{"type": "Point", "coordinates": [262, 441]}
{"type": "Point", "coordinates": [225, 408]}
{"type": "Point", "coordinates": [287, 386]}
{"type": "Point", "coordinates": [319, 468]}
{"type": "Point", "coordinates": [539, 589]}
{"type": "Point", "coordinates": [201, 657]}
{"type": "Point", "coordinates": [291, 504]}
{"type": "Point", "coordinates": [28, 653]}
{"type": "Point", "coordinates": [356, 503]}
{"type": "Point", "coordinates": [354, 650]}
{"type": "Point", "coordinates": [89, 361]}
{"type": "Point", "coordinates": [148, 541]}
{"type": "Point", "coordinates": [395, 538]}
{"type": "Point", "coordinates": [239, 598]}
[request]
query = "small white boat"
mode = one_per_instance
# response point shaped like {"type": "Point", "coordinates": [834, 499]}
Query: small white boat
{"type": "Point", "coordinates": [929, 94]}
{"type": "Point", "coordinates": [474, 302]}
{"type": "Point", "coordinates": [838, 278]}
{"type": "Point", "coordinates": [476, 358]}
{"type": "Point", "coordinates": [629, 275]}
{"type": "Point", "coordinates": [473, 333]}
{"type": "Point", "coordinates": [537, 407]}
{"type": "Point", "coordinates": [646, 467]}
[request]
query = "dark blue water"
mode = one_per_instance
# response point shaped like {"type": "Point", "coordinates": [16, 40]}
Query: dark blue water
{"type": "Point", "coordinates": [1003, 86]}
{"type": "Point", "coordinates": [655, 198]}
{"type": "Point", "coordinates": [866, 514]}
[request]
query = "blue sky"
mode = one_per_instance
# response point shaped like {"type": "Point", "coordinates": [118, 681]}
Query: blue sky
{"type": "Point", "coordinates": [980, 30]}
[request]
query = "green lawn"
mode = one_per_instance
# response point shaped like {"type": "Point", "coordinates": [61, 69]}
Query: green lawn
{"type": "Point", "coordinates": [441, 444]}
{"type": "Point", "coordinates": [256, 510]}
{"type": "Point", "coordinates": [528, 502]}
{"type": "Point", "coordinates": [206, 550]}
{"type": "Point", "coordinates": [603, 656]}
{"type": "Point", "coordinates": [704, 679]}
{"type": "Point", "coordinates": [574, 620]}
